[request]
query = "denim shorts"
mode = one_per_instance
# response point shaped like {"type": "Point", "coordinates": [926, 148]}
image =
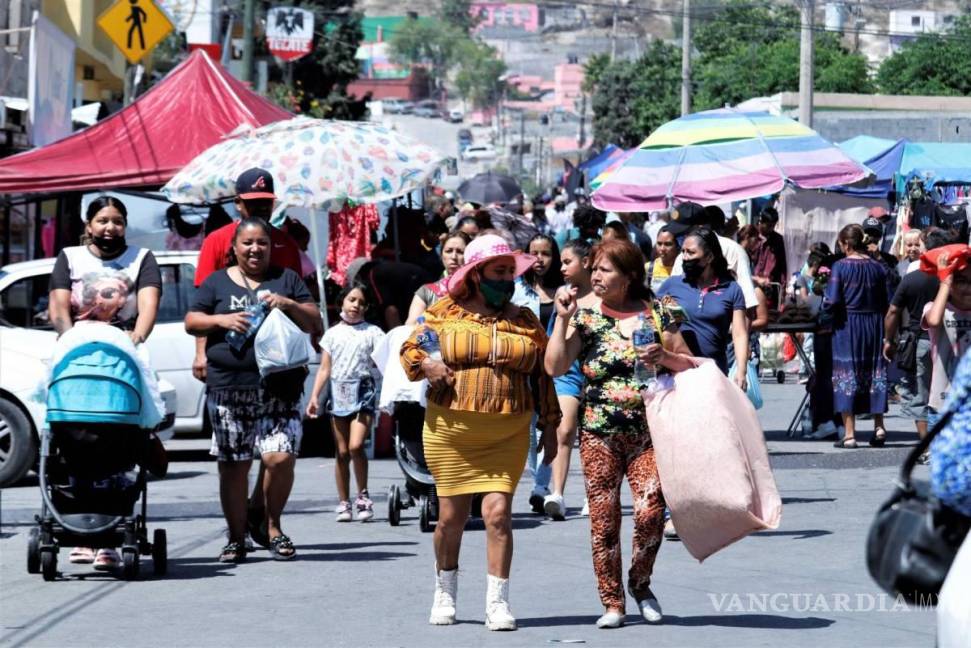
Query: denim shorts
{"type": "Point", "coordinates": [570, 383]}
{"type": "Point", "coordinates": [365, 403]}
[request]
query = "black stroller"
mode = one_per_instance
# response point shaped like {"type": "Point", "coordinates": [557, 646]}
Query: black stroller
{"type": "Point", "coordinates": [88, 460]}
{"type": "Point", "coordinates": [419, 483]}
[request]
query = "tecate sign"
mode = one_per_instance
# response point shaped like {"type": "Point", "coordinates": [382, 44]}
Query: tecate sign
{"type": "Point", "coordinates": [289, 32]}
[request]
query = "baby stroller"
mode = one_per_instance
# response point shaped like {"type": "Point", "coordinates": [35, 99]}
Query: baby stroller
{"type": "Point", "coordinates": [89, 452]}
{"type": "Point", "coordinates": [419, 483]}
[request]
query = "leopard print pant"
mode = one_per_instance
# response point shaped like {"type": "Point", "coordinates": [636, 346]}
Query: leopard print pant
{"type": "Point", "coordinates": [606, 459]}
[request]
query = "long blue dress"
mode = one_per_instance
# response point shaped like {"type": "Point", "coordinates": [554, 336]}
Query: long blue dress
{"type": "Point", "coordinates": [856, 299]}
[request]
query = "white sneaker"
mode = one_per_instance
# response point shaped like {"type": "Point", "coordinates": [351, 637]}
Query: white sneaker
{"type": "Point", "coordinates": [555, 507]}
{"type": "Point", "coordinates": [537, 498]}
{"type": "Point", "coordinates": [610, 620]}
{"type": "Point", "coordinates": [446, 591]}
{"type": "Point", "coordinates": [585, 511]}
{"type": "Point", "coordinates": [498, 614]}
{"type": "Point", "coordinates": [343, 512]}
{"type": "Point", "coordinates": [364, 506]}
{"type": "Point", "coordinates": [650, 608]}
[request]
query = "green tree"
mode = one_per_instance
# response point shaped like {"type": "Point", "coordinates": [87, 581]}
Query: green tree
{"type": "Point", "coordinates": [753, 50]}
{"type": "Point", "coordinates": [324, 74]}
{"type": "Point", "coordinates": [593, 69]}
{"type": "Point", "coordinates": [632, 98]}
{"type": "Point", "coordinates": [428, 42]}
{"type": "Point", "coordinates": [458, 14]}
{"type": "Point", "coordinates": [932, 64]}
{"type": "Point", "coordinates": [478, 75]}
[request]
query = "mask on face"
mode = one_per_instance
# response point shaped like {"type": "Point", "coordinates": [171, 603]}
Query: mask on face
{"type": "Point", "coordinates": [692, 269]}
{"type": "Point", "coordinates": [109, 245]}
{"type": "Point", "coordinates": [351, 320]}
{"type": "Point", "coordinates": [497, 292]}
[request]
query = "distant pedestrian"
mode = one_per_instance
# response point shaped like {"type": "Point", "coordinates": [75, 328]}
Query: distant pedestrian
{"type": "Point", "coordinates": [667, 248]}
{"type": "Point", "coordinates": [346, 365]}
{"type": "Point", "coordinates": [856, 300]}
{"type": "Point", "coordinates": [453, 256]}
{"type": "Point", "coordinates": [481, 401]}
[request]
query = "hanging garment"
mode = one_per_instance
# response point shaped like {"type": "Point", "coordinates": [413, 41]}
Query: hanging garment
{"type": "Point", "coordinates": [350, 237]}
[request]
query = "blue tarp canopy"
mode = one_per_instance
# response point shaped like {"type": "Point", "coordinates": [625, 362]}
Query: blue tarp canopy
{"type": "Point", "coordinates": [882, 156]}
{"type": "Point", "coordinates": [598, 163]}
{"type": "Point", "coordinates": [936, 163]}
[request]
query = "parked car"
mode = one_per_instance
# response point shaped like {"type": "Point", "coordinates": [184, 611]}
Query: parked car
{"type": "Point", "coordinates": [407, 107]}
{"type": "Point", "coordinates": [393, 106]}
{"type": "Point", "coordinates": [479, 152]}
{"type": "Point", "coordinates": [455, 116]}
{"type": "Point", "coordinates": [27, 339]}
{"type": "Point", "coordinates": [428, 109]}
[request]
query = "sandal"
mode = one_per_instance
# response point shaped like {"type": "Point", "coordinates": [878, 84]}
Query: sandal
{"type": "Point", "coordinates": [234, 552]}
{"type": "Point", "coordinates": [846, 444]}
{"type": "Point", "coordinates": [282, 548]}
{"type": "Point", "coordinates": [879, 438]}
{"type": "Point", "coordinates": [81, 556]}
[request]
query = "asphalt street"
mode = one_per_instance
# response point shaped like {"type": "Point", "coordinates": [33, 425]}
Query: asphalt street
{"type": "Point", "coordinates": [370, 584]}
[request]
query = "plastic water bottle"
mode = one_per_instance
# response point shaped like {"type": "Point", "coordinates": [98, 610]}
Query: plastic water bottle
{"type": "Point", "coordinates": [256, 314]}
{"type": "Point", "coordinates": [428, 340]}
{"type": "Point", "coordinates": [643, 336]}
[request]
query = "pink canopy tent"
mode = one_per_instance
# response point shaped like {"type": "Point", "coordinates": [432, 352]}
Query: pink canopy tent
{"type": "Point", "coordinates": [148, 141]}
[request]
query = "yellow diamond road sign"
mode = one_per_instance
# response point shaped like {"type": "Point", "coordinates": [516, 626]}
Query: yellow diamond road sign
{"type": "Point", "coordinates": [135, 26]}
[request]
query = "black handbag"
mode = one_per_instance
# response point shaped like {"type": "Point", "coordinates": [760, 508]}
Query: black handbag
{"type": "Point", "coordinates": [914, 538]}
{"type": "Point", "coordinates": [906, 355]}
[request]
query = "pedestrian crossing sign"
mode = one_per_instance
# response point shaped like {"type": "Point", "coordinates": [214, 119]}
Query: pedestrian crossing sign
{"type": "Point", "coordinates": [135, 26]}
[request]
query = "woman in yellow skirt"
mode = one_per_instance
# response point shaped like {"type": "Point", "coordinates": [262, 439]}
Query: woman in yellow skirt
{"type": "Point", "coordinates": [480, 402]}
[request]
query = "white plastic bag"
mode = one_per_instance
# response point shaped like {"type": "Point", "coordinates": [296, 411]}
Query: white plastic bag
{"type": "Point", "coordinates": [280, 344]}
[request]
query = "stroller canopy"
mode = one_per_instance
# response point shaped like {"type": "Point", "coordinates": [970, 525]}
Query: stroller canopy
{"type": "Point", "coordinates": [95, 383]}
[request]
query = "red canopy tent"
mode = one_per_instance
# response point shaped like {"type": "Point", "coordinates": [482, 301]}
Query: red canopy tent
{"type": "Point", "coordinates": [148, 141]}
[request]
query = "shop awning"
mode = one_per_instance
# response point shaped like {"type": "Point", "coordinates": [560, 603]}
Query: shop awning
{"type": "Point", "coordinates": [148, 141]}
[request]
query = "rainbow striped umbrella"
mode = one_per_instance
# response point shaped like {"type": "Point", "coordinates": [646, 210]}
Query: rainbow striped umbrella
{"type": "Point", "coordinates": [718, 156]}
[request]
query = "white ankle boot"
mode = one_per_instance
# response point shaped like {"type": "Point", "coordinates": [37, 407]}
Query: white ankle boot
{"type": "Point", "coordinates": [446, 590]}
{"type": "Point", "coordinates": [498, 615]}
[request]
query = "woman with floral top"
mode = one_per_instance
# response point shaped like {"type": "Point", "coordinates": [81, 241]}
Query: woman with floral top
{"type": "Point", "coordinates": [614, 439]}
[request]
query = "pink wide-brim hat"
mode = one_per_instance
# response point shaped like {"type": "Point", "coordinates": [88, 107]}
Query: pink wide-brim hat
{"type": "Point", "coordinates": [485, 248]}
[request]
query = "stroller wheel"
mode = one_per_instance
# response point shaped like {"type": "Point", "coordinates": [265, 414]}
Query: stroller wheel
{"type": "Point", "coordinates": [160, 553]}
{"type": "Point", "coordinates": [33, 551]}
{"type": "Point", "coordinates": [394, 505]}
{"type": "Point", "coordinates": [129, 564]}
{"type": "Point", "coordinates": [780, 377]}
{"type": "Point", "coordinates": [48, 564]}
{"type": "Point", "coordinates": [425, 514]}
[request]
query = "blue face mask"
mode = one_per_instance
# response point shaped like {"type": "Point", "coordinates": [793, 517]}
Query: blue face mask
{"type": "Point", "coordinates": [497, 292]}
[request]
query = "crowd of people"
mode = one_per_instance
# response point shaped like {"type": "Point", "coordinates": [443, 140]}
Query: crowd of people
{"type": "Point", "coordinates": [525, 347]}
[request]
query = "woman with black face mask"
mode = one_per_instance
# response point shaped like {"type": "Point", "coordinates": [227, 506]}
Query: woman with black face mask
{"type": "Point", "coordinates": [711, 300]}
{"type": "Point", "coordinates": [484, 375]}
{"type": "Point", "coordinates": [105, 280]}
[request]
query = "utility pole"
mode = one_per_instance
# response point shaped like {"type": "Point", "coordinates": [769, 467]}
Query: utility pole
{"type": "Point", "coordinates": [249, 18]}
{"type": "Point", "coordinates": [613, 33]}
{"type": "Point", "coordinates": [806, 64]}
{"type": "Point", "coordinates": [522, 139]}
{"type": "Point", "coordinates": [686, 59]}
{"type": "Point", "coordinates": [583, 116]}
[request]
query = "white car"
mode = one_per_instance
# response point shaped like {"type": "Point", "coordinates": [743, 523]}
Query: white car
{"type": "Point", "coordinates": [456, 116]}
{"type": "Point", "coordinates": [26, 341]}
{"type": "Point", "coordinates": [479, 152]}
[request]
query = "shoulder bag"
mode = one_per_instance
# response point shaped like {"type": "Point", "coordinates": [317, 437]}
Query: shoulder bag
{"type": "Point", "coordinates": [914, 538]}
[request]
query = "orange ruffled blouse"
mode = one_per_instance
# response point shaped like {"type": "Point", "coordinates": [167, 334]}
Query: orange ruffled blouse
{"type": "Point", "coordinates": [498, 362]}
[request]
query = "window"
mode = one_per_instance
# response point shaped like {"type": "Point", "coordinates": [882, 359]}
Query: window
{"type": "Point", "coordinates": [177, 291]}
{"type": "Point", "coordinates": [24, 303]}
{"type": "Point", "coordinates": [949, 19]}
{"type": "Point", "coordinates": [915, 21]}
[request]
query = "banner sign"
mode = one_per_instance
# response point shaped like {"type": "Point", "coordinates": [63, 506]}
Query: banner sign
{"type": "Point", "coordinates": [289, 32]}
{"type": "Point", "coordinates": [50, 85]}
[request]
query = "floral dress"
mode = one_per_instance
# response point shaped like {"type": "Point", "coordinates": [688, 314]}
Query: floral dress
{"type": "Point", "coordinates": [612, 402]}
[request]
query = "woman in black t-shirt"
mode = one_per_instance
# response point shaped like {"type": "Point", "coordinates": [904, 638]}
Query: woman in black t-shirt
{"type": "Point", "coordinates": [246, 418]}
{"type": "Point", "coordinates": [105, 280]}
